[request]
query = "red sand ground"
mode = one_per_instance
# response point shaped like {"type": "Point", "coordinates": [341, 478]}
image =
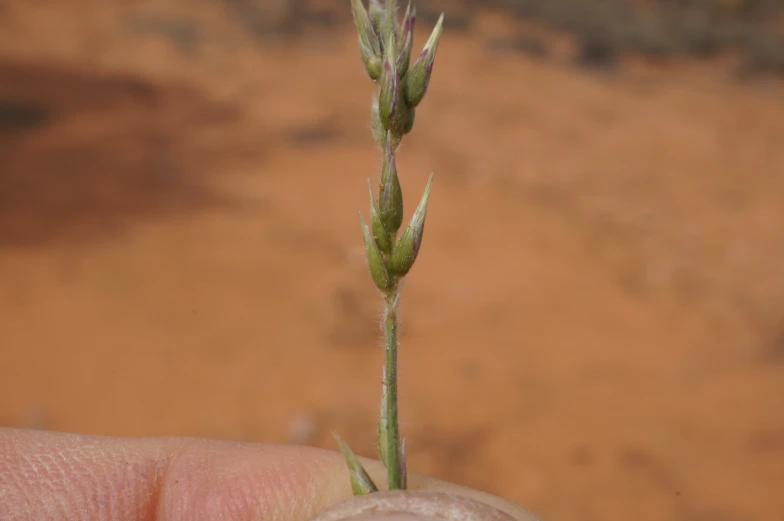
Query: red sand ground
{"type": "Point", "coordinates": [595, 324]}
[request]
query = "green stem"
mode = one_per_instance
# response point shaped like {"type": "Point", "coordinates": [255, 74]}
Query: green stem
{"type": "Point", "coordinates": [394, 475]}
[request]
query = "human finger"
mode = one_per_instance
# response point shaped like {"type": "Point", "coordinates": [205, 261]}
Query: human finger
{"type": "Point", "coordinates": [47, 476]}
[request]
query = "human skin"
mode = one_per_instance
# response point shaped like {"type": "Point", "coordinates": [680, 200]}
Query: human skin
{"type": "Point", "coordinates": [57, 476]}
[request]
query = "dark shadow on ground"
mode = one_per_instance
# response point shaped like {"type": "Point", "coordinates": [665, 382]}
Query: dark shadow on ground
{"type": "Point", "coordinates": [86, 154]}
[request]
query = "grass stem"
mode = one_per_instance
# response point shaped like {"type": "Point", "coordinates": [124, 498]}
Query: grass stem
{"type": "Point", "coordinates": [394, 474]}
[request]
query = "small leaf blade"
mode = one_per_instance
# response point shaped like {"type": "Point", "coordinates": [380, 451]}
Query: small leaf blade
{"type": "Point", "coordinates": [361, 483]}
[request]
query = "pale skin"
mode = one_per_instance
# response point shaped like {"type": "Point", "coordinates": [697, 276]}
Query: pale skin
{"type": "Point", "coordinates": [56, 476]}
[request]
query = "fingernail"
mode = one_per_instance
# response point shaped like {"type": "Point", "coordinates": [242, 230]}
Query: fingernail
{"type": "Point", "coordinates": [391, 516]}
{"type": "Point", "coordinates": [412, 505]}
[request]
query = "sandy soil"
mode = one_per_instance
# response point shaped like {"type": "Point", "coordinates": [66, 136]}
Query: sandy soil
{"type": "Point", "coordinates": [595, 324]}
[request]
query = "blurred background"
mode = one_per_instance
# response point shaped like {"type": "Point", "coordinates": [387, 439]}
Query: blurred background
{"type": "Point", "coordinates": [595, 324]}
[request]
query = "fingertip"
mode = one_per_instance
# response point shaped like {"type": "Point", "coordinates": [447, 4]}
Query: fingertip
{"type": "Point", "coordinates": [48, 475]}
{"type": "Point", "coordinates": [208, 480]}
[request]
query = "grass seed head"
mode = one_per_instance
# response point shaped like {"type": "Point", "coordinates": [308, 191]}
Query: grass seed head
{"type": "Point", "coordinates": [376, 263]}
{"type": "Point", "coordinates": [407, 247]}
{"type": "Point", "coordinates": [418, 77]}
{"type": "Point", "coordinates": [390, 198]}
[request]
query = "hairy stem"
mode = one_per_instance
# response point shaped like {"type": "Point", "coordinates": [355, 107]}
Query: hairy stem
{"type": "Point", "coordinates": [394, 474]}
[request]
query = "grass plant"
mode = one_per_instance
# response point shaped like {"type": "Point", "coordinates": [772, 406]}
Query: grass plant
{"type": "Point", "coordinates": [385, 43]}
